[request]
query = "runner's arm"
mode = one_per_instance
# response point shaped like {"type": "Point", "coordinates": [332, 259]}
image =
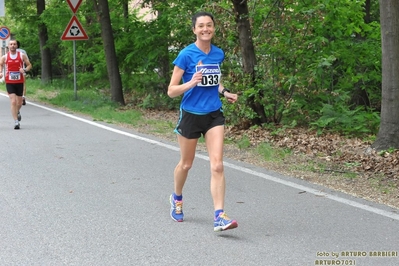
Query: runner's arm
{"type": "Point", "coordinates": [28, 65]}
{"type": "Point", "coordinates": [175, 88]}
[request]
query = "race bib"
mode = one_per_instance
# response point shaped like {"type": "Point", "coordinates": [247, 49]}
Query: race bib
{"type": "Point", "coordinates": [14, 76]}
{"type": "Point", "coordinates": [211, 75]}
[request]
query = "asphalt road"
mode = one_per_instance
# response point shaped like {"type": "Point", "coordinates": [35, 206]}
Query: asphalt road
{"type": "Point", "coordinates": [78, 192]}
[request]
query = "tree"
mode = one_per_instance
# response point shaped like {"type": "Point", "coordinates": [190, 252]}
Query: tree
{"type": "Point", "coordinates": [45, 51]}
{"type": "Point", "coordinates": [248, 53]}
{"type": "Point", "coordinates": [102, 10]}
{"type": "Point", "coordinates": [388, 135]}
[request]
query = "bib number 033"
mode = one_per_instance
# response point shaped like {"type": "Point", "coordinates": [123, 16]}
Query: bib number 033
{"type": "Point", "coordinates": [210, 75]}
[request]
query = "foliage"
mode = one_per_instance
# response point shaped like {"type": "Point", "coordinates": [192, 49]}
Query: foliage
{"type": "Point", "coordinates": [308, 53]}
{"type": "Point", "coordinates": [340, 119]}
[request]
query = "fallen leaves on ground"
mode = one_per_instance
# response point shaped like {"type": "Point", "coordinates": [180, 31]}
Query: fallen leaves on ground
{"type": "Point", "coordinates": [344, 154]}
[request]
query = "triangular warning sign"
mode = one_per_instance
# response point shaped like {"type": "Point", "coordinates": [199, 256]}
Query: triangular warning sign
{"type": "Point", "coordinates": [74, 31]}
{"type": "Point", "coordinates": [74, 4]}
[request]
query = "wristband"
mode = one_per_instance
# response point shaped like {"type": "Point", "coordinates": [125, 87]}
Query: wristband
{"type": "Point", "coordinates": [224, 90]}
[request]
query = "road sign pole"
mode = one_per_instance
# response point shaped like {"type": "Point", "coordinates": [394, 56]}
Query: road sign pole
{"type": "Point", "coordinates": [2, 9]}
{"type": "Point", "coordinates": [74, 71]}
{"type": "Point", "coordinates": [3, 52]}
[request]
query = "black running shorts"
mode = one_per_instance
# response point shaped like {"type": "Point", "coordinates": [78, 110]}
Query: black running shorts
{"type": "Point", "coordinates": [15, 88]}
{"type": "Point", "coordinates": [191, 126]}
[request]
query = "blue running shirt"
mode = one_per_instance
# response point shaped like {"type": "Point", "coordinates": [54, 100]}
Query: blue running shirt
{"type": "Point", "coordinates": [203, 98]}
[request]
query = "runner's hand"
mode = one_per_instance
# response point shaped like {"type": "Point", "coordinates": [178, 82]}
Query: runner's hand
{"type": "Point", "coordinates": [231, 97]}
{"type": "Point", "coordinates": [197, 78]}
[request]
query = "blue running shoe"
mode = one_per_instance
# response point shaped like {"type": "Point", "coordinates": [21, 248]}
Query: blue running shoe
{"type": "Point", "coordinates": [176, 209]}
{"type": "Point", "coordinates": [223, 223]}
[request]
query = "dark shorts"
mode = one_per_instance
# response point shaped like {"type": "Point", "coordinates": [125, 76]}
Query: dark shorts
{"type": "Point", "coordinates": [15, 88]}
{"type": "Point", "coordinates": [191, 126]}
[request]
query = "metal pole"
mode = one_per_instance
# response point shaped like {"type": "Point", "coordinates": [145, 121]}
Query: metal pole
{"type": "Point", "coordinates": [74, 70]}
{"type": "Point", "coordinates": [3, 52]}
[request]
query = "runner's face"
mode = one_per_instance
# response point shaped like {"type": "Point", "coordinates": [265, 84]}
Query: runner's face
{"type": "Point", "coordinates": [12, 46]}
{"type": "Point", "coordinates": [204, 28]}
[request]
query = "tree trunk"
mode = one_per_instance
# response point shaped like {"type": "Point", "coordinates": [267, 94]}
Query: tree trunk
{"type": "Point", "coordinates": [46, 72]}
{"type": "Point", "coordinates": [102, 10]}
{"type": "Point", "coordinates": [163, 60]}
{"type": "Point", "coordinates": [248, 53]}
{"type": "Point", "coordinates": [388, 135]}
{"type": "Point", "coordinates": [367, 9]}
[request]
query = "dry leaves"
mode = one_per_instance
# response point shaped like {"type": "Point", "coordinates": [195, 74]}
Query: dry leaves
{"type": "Point", "coordinates": [340, 151]}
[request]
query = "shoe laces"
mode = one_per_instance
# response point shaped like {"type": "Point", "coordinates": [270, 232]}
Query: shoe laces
{"type": "Point", "coordinates": [178, 206]}
{"type": "Point", "coordinates": [224, 216]}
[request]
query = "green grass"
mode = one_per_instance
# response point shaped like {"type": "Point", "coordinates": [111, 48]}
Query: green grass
{"type": "Point", "coordinates": [160, 126]}
{"type": "Point", "coordinates": [351, 175]}
{"type": "Point", "coordinates": [244, 143]}
{"type": "Point", "coordinates": [201, 140]}
{"type": "Point", "coordinates": [270, 153]}
{"type": "Point", "coordinates": [87, 102]}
